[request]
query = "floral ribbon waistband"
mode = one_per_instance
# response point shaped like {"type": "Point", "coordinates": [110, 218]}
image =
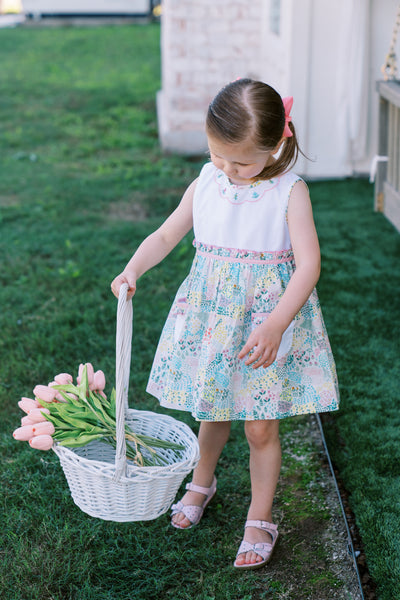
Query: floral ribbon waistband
{"type": "Point", "coordinates": [243, 256]}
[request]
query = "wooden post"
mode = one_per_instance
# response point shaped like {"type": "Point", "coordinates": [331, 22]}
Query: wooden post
{"type": "Point", "coordinates": [381, 169]}
{"type": "Point", "coordinates": [387, 181]}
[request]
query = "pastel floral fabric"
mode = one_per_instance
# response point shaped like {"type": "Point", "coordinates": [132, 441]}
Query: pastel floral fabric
{"type": "Point", "coordinates": [227, 293]}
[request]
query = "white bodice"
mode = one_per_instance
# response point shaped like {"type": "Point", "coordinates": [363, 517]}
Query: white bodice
{"type": "Point", "coordinates": [248, 217]}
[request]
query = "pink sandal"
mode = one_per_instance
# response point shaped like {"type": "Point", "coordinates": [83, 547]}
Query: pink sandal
{"type": "Point", "coordinates": [263, 549]}
{"type": "Point", "coordinates": [194, 513]}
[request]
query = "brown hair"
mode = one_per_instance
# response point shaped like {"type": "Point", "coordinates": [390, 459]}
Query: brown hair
{"type": "Point", "coordinates": [252, 109]}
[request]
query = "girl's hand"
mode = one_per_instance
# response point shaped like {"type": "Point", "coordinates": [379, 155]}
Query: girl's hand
{"type": "Point", "coordinates": [128, 278]}
{"type": "Point", "coordinates": [262, 346]}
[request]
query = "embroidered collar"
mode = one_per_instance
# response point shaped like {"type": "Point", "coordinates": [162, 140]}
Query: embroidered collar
{"type": "Point", "coordinates": [240, 194]}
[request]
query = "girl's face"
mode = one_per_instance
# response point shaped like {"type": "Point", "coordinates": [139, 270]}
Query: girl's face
{"type": "Point", "coordinates": [240, 162]}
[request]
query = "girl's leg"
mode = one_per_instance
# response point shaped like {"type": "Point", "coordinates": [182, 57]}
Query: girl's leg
{"type": "Point", "coordinates": [265, 464]}
{"type": "Point", "coordinates": [212, 439]}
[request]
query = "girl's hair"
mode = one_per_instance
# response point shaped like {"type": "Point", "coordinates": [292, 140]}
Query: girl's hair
{"type": "Point", "coordinates": [252, 109]}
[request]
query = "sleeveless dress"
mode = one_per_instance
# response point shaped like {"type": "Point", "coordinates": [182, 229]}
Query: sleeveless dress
{"type": "Point", "coordinates": [241, 268]}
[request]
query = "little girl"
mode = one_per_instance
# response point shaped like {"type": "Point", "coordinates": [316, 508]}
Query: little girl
{"type": "Point", "coordinates": [245, 339]}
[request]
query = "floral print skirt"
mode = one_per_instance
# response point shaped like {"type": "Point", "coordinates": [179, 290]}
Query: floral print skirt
{"type": "Point", "coordinates": [196, 368]}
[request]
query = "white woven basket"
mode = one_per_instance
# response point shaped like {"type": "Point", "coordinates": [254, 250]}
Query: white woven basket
{"type": "Point", "coordinates": [103, 483]}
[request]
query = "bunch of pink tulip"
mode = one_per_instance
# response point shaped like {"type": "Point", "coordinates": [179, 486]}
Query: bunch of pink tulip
{"type": "Point", "coordinates": [36, 426]}
{"type": "Point", "coordinates": [74, 415]}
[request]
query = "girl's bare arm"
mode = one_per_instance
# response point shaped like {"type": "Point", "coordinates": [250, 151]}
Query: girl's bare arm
{"type": "Point", "coordinates": [265, 339]}
{"type": "Point", "coordinates": [158, 244]}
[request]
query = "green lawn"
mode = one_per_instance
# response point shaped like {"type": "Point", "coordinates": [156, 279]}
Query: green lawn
{"type": "Point", "coordinates": [359, 290]}
{"type": "Point", "coordinates": [83, 180]}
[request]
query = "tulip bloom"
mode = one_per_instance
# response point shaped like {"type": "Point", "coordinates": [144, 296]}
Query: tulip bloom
{"type": "Point", "coordinates": [63, 379]}
{"type": "Point", "coordinates": [99, 381]}
{"type": "Point", "coordinates": [24, 433]}
{"type": "Point", "coordinates": [41, 442]}
{"type": "Point", "coordinates": [58, 397]}
{"type": "Point", "coordinates": [89, 372]}
{"type": "Point", "coordinates": [43, 428]}
{"type": "Point", "coordinates": [26, 420]}
{"type": "Point", "coordinates": [45, 393]}
{"type": "Point", "coordinates": [27, 404]}
{"type": "Point", "coordinates": [37, 414]}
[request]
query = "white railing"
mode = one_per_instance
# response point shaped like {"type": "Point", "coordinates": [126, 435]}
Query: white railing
{"type": "Point", "coordinates": [86, 7]}
{"type": "Point", "coordinates": [387, 182]}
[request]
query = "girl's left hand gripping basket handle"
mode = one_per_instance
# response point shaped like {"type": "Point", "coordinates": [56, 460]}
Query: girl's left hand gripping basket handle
{"type": "Point", "coordinates": [122, 368]}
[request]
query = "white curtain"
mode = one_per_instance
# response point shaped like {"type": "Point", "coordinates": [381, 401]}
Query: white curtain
{"type": "Point", "coordinates": [353, 76]}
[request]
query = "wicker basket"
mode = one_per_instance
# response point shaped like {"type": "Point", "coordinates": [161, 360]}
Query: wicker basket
{"type": "Point", "coordinates": [101, 480]}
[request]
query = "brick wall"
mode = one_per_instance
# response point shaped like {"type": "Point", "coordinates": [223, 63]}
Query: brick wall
{"type": "Point", "coordinates": [204, 44]}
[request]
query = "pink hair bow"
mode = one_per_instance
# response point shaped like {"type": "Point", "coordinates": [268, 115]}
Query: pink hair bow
{"type": "Point", "coordinates": [287, 104]}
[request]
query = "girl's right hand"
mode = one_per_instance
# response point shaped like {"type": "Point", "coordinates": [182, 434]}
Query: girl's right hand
{"type": "Point", "coordinates": [262, 346]}
{"type": "Point", "coordinates": [123, 277]}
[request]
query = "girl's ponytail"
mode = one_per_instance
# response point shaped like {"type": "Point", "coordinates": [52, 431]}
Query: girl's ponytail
{"type": "Point", "coordinates": [287, 157]}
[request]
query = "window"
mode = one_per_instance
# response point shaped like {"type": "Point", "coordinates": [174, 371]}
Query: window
{"type": "Point", "coordinates": [275, 16]}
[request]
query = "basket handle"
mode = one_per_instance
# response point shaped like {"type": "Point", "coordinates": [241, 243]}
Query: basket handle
{"type": "Point", "coordinates": [122, 368]}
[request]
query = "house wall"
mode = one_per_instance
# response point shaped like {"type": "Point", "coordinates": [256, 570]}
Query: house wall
{"type": "Point", "coordinates": [326, 55]}
{"type": "Point", "coordinates": [324, 75]}
{"type": "Point", "coordinates": [205, 44]}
